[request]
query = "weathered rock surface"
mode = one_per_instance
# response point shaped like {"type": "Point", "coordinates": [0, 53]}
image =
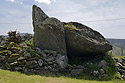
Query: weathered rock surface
{"type": "Point", "coordinates": [48, 33]}
{"type": "Point", "coordinates": [84, 40]}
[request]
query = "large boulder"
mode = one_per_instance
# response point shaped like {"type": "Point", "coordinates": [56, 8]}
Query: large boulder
{"type": "Point", "coordinates": [49, 33]}
{"type": "Point", "coordinates": [72, 38]}
{"type": "Point", "coordinates": [83, 40]}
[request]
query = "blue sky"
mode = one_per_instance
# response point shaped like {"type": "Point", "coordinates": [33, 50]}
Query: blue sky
{"type": "Point", "coordinates": [18, 13]}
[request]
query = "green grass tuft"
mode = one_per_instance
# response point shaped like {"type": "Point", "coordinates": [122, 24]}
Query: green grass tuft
{"type": "Point", "coordinates": [30, 42]}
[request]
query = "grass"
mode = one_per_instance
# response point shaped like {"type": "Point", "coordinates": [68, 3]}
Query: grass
{"type": "Point", "coordinates": [111, 70]}
{"type": "Point", "coordinates": [30, 42]}
{"type": "Point", "coordinates": [91, 65]}
{"type": "Point", "coordinates": [16, 77]}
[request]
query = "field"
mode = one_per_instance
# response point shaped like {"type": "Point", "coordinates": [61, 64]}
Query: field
{"type": "Point", "coordinates": [16, 77]}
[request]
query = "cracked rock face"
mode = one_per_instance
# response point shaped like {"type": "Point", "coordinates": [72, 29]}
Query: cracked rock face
{"type": "Point", "coordinates": [48, 33]}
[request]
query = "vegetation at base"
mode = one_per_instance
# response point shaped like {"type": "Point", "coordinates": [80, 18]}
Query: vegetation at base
{"type": "Point", "coordinates": [111, 69]}
{"type": "Point", "coordinates": [118, 56]}
{"type": "Point", "coordinates": [29, 42]}
{"type": "Point", "coordinates": [70, 26]}
{"type": "Point", "coordinates": [16, 77]}
{"type": "Point", "coordinates": [91, 65]}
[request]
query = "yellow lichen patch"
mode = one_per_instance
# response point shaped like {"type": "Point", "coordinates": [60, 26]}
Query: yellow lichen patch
{"type": "Point", "coordinates": [4, 51]}
{"type": "Point", "coordinates": [70, 26]}
{"type": "Point", "coordinates": [14, 55]}
{"type": "Point", "coordinates": [12, 43]}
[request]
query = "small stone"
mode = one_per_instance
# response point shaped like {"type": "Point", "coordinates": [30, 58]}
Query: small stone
{"type": "Point", "coordinates": [50, 59]}
{"type": "Point", "coordinates": [43, 54]}
{"type": "Point", "coordinates": [50, 52]}
{"type": "Point", "coordinates": [38, 50]}
{"type": "Point", "coordinates": [25, 70]}
{"type": "Point", "coordinates": [27, 55]}
{"type": "Point", "coordinates": [18, 68]}
{"type": "Point", "coordinates": [121, 70]}
{"type": "Point", "coordinates": [123, 76]}
{"type": "Point", "coordinates": [9, 52]}
{"type": "Point", "coordinates": [50, 63]}
{"type": "Point", "coordinates": [61, 61]}
{"type": "Point", "coordinates": [14, 63]}
{"type": "Point", "coordinates": [2, 47]}
{"type": "Point", "coordinates": [1, 65]}
{"type": "Point", "coordinates": [118, 59]}
{"type": "Point", "coordinates": [58, 56]}
{"type": "Point", "coordinates": [49, 67]}
{"type": "Point", "coordinates": [40, 62]}
{"type": "Point", "coordinates": [4, 51]}
{"type": "Point", "coordinates": [101, 71]}
{"type": "Point", "coordinates": [95, 73]}
{"type": "Point", "coordinates": [79, 67]}
{"type": "Point", "coordinates": [119, 65]}
{"type": "Point", "coordinates": [102, 64]}
{"type": "Point", "coordinates": [21, 58]}
{"type": "Point", "coordinates": [13, 48]}
{"type": "Point", "coordinates": [54, 65]}
{"type": "Point", "coordinates": [76, 71]}
{"type": "Point", "coordinates": [21, 45]}
{"type": "Point", "coordinates": [3, 42]}
{"type": "Point", "coordinates": [10, 60]}
{"type": "Point", "coordinates": [2, 58]}
{"type": "Point", "coordinates": [21, 51]}
{"type": "Point", "coordinates": [22, 63]}
{"type": "Point", "coordinates": [14, 56]}
{"type": "Point", "coordinates": [54, 70]}
{"type": "Point", "coordinates": [32, 64]}
{"type": "Point", "coordinates": [45, 68]}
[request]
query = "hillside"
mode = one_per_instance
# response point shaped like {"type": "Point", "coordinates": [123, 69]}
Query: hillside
{"type": "Point", "coordinates": [117, 44]}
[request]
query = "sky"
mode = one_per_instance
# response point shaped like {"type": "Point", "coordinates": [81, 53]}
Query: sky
{"type": "Point", "coordinates": [97, 14]}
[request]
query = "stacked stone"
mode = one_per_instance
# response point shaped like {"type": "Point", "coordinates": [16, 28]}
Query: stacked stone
{"type": "Point", "coordinates": [120, 65]}
{"type": "Point", "coordinates": [20, 57]}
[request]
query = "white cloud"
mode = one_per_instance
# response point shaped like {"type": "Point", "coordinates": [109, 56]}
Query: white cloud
{"type": "Point", "coordinates": [21, 3]}
{"type": "Point", "coordinates": [10, 0]}
{"type": "Point", "coordinates": [89, 10]}
{"type": "Point", "coordinates": [43, 1]}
